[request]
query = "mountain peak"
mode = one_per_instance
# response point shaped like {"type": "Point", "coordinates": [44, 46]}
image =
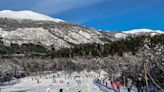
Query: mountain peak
{"type": "Point", "coordinates": [25, 14]}
{"type": "Point", "coordinates": [134, 31]}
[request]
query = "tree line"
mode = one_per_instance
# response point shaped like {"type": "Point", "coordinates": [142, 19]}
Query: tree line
{"type": "Point", "coordinates": [119, 47]}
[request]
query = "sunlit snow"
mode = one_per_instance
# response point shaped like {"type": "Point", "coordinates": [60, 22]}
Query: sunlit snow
{"type": "Point", "coordinates": [26, 15]}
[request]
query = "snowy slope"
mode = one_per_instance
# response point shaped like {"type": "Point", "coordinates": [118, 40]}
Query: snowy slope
{"type": "Point", "coordinates": [135, 31]}
{"type": "Point", "coordinates": [26, 15]}
{"type": "Point", "coordinates": [50, 32]}
{"type": "Point", "coordinates": [59, 38]}
{"type": "Point", "coordinates": [121, 35]}
{"type": "Point", "coordinates": [70, 84]}
{"type": "Point", "coordinates": [31, 35]}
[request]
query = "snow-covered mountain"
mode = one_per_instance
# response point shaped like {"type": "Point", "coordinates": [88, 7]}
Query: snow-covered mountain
{"type": "Point", "coordinates": [135, 31]}
{"type": "Point", "coordinates": [138, 32]}
{"type": "Point", "coordinates": [29, 27]}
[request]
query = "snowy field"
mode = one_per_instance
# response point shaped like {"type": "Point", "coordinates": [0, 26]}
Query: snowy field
{"type": "Point", "coordinates": [76, 82]}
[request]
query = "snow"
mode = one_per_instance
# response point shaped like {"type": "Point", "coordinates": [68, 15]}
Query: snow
{"type": "Point", "coordinates": [122, 88]}
{"type": "Point", "coordinates": [124, 34]}
{"type": "Point", "coordinates": [74, 82]}
{"type": "Point", "coordinates": [30, 84]}
{"type": "Point", "coordinates": [153, 34]}
{"type": "Point", "coordinates": [120, 35]}
{"type": "Point", "coordinates": [31, 35]}
{"type": "Point", "coordinates": [85, 34]}
{"type": "Point", "coordinates": [48, 37]}
{"type": "Point", "coordinates": [27, 15]}
{"type": "Point", "coordinates": [3, 33]}
{"type": "Point", "coordinates": [142, 31]}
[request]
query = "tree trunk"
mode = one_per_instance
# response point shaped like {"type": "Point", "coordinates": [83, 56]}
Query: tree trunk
{"type": "Point", "coordinates": [146, 79]}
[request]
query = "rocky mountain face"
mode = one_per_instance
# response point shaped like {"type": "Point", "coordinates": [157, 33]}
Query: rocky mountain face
{"type": "Point", "coordinates": [47, 33]}
{"type": "Point", "coordinates": [29, 27]}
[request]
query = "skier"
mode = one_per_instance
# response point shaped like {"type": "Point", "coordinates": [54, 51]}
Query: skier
{"type": "Point", "coordinates": [48, 90]}
{"type": "Point", "coordinates": [38, 81]}
{"type": "Point", "coordinates": [54, 81]}
{"type": "Point", "coordinates": [98, 80]}
{"type": "Point", "coordinates": [106, 84]}
{"type": "Point", "coordinates": [118, 84]}
{"type": "Point", "coordinates": [112, 85]}
{"type": "Point", "coordinates": [61, 90]}
{"type": "Point", "coordinates": [103, 81]}
{"type": "Point", "coordinates": [129, 84]}
{"type": "Point", "coordinates": [139, 83]}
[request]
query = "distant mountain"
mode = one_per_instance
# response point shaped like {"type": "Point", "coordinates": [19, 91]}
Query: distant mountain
{"type": "Point", "coordinates": [138, 32]}
{"type": "Point", "coordinates": [30, 27]}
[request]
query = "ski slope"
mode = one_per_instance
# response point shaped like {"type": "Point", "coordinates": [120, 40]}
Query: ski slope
{"type": "Point", "coordinates": [41, 84]}
{"type": "Point", "coordinates": [32, 86]}
{"type": "Point", "coordinates": [75, 82]}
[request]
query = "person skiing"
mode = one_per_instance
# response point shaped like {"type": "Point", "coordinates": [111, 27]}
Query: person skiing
{"type": "Point", "coordinates": [48, 90]}
{"type": "Point", "coordinates": [103, 81]}
{"type": "Point", "coordinates": [61, 90]}
{"type": "Point", "coordinates": [37, 80]}
{"type": "Point", "coordinates": [118, 84]}
{"type": "Point", "coordinates": [106, 84]}
{"type": "Point", "coordinates": [139, 83]}
{"type": "Point", "coordinates": [112, 85]}
{"type": "Point", "coordinates": [129, 84]}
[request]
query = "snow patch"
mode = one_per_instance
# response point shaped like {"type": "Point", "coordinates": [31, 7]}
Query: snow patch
{"type": "Point", "coordinates": [120, 35]}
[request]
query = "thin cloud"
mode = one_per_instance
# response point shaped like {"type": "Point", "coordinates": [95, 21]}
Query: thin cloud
{"type": "Point", "coordinates": [59, 6]}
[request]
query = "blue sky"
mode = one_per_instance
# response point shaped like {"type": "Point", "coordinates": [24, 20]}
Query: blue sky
{"type": "Point", "coordinates": [115, 15]}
